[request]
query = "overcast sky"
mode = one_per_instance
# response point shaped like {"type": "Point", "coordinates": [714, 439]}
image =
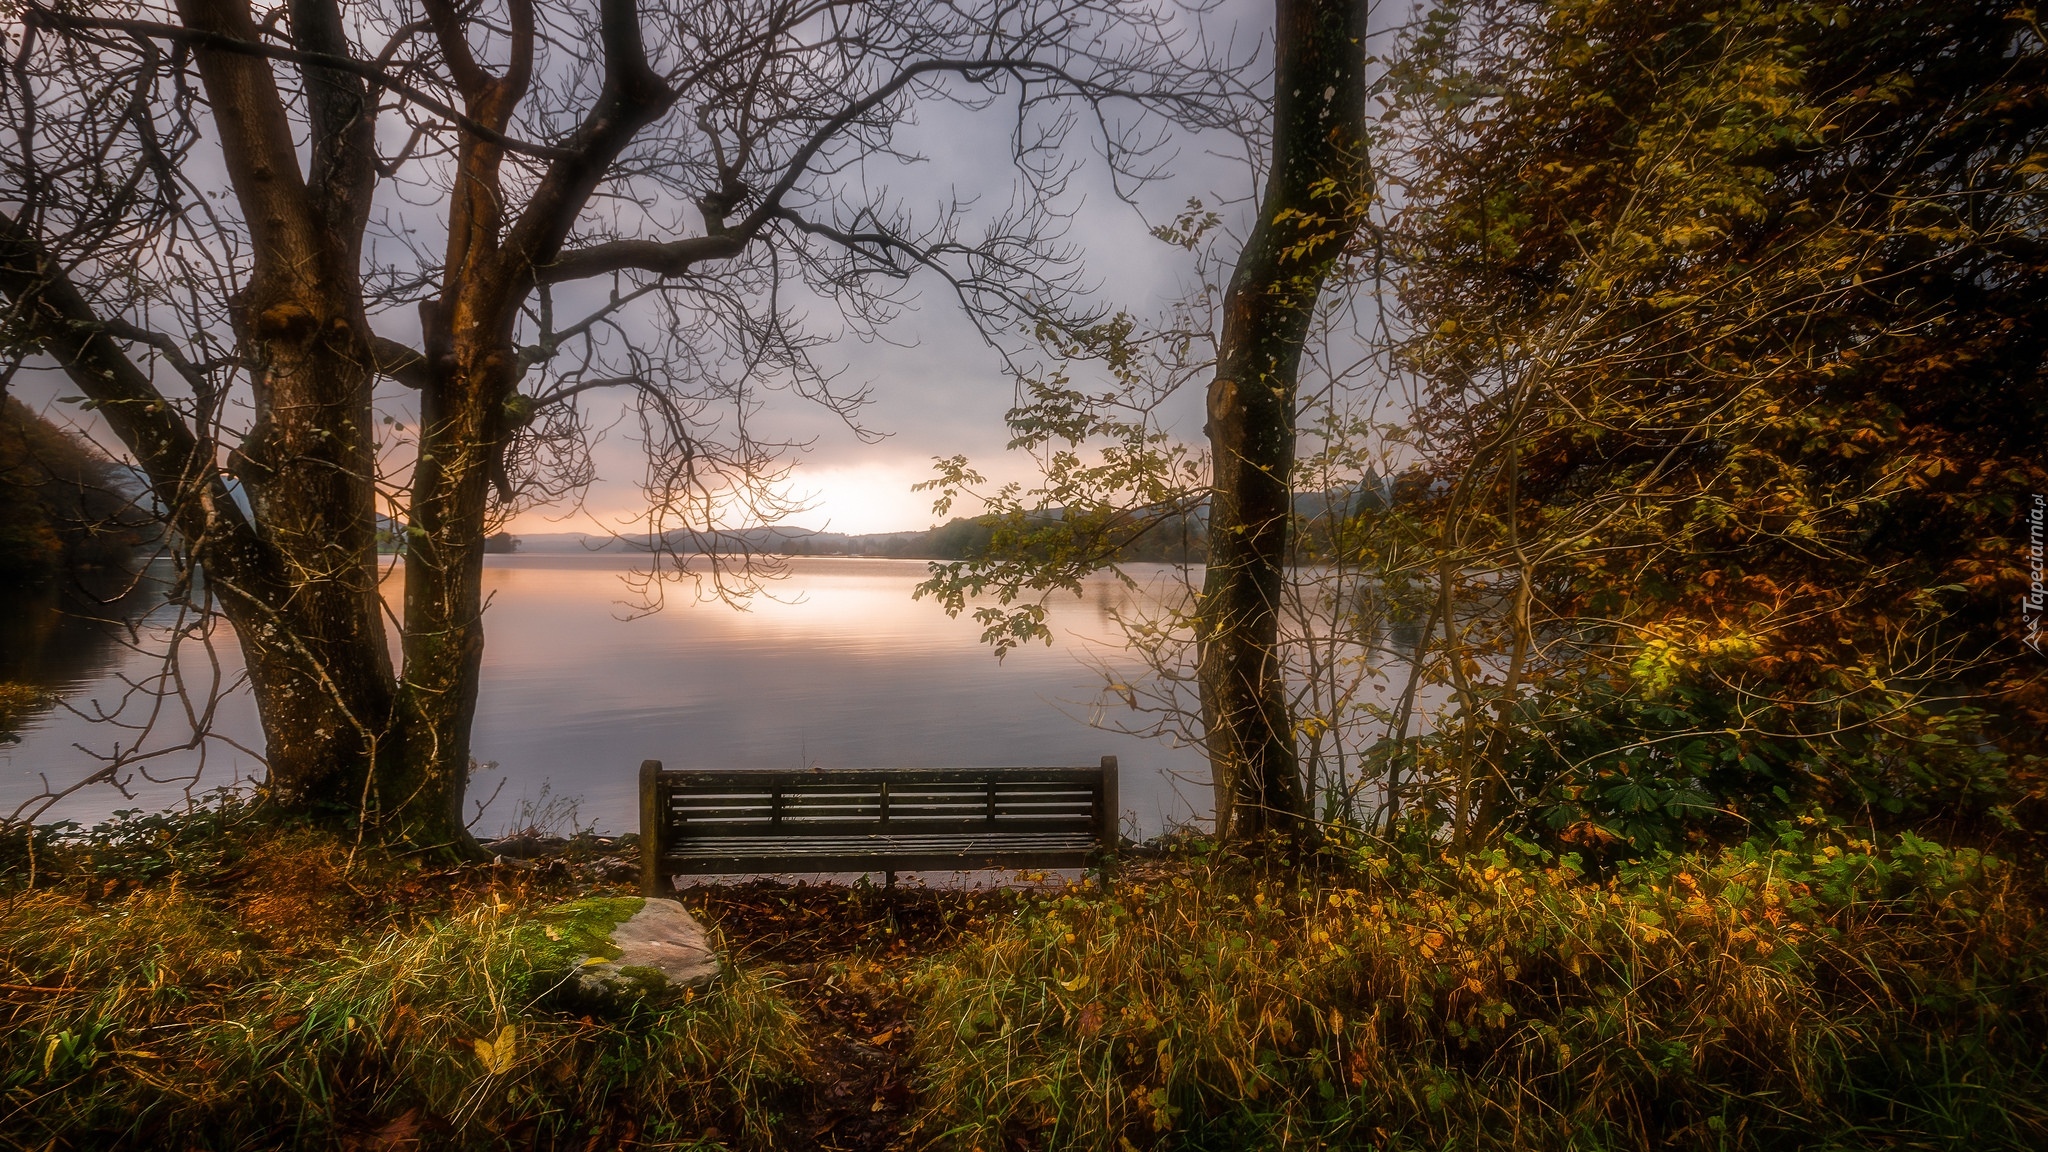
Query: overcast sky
{"type": "Point", "coordinates": [937, 387]}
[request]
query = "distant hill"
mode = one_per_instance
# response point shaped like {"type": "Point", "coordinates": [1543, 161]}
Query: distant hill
{"type": "Point", "coordinates": [63, 506]}
{"type": "Point", "coordinates": [950, 541]}
{"type": "Point", "coordinates": [957, 539]}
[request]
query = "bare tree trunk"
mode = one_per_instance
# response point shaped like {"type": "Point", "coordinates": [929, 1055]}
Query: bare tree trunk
{"type": "Point", "coordinates": [1314, 195]}
{"type": "Point", "coordinates": [462, 430]}
{"type": "Point", "coordinates": [444, 637]}
{"type": "Point", "coordinates": [296, 576]}
{"type": "Point", "coordinates": [314, 641]}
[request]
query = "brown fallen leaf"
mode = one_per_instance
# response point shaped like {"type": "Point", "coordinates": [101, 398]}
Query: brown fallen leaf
{"type": "Point", "coordinates": [398, 1134]}
{"type": "Point", "coordinates": [1091, 1019]}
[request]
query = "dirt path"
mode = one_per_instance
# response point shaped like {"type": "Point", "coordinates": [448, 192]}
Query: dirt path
{"type": "Point", "coordinates": [844, 955]}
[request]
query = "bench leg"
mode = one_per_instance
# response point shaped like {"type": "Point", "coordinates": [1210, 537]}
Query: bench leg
{"type": "Point", "coordinates": [652, 881]}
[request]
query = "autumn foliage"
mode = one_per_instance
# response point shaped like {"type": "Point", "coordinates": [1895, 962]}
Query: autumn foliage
{"type": "Point", "coordinates": [1732, 321]}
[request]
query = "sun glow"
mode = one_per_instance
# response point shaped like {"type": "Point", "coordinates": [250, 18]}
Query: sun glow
{"type": "Point", "coordinates": [854, 498]}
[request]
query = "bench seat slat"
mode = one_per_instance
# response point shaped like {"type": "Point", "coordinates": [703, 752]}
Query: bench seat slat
{"type": "Point", "coordinates": [798, 845]}
{"type": "Point", "coordinates": [767, 832]}
{"type": "Point", "coordinates": [756, 862]}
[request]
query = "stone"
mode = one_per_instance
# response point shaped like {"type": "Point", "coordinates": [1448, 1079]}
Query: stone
{"type": "Point", "coordinates": [608, 951]}
{"type": "Point", "coordinates": [663, 937]}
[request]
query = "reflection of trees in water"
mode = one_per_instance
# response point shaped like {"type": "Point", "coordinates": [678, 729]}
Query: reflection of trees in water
{"type": "Point", "coordinates": [150, 657]}
{"type": "Point", "coordinates": [56, 638]}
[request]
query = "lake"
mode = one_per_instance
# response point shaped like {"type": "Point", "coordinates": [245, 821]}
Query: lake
{"type": "Point", "coordinates": [837, 668]}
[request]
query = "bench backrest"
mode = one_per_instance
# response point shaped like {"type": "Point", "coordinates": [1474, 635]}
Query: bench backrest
{"type": "Point", "coordinates": [835, 820]}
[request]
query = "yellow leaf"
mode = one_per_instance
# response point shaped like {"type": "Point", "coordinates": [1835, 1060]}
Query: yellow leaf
{"type": "Point", "coordinates": [1076, 984]}
{"type": "Point", "coordinates": [497, 1055]}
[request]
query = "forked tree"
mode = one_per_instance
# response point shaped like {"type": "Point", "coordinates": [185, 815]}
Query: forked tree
{"type": "Point", "coordinates": [227, 224]}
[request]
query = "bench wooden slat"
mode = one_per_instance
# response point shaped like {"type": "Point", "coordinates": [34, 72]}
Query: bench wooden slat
{"type": "Point", "coordinates": [889, 819]}
{"type": "Point", "coordinates": [841, 777]}
{"type": "Point", "coordinates": [889, 862]}
{"type": "Point", "coordinates": [963, 843]}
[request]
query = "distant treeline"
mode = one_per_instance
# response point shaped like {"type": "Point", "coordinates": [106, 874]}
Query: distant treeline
{"type": "Point", "coordinates": [391, 539]}
{"type": "Point", "coordinates": [1172, 538]}
{"type": "Point", "coordinates": [962, 539]}
{"type": "Point", "coordinates": [1152, 535]}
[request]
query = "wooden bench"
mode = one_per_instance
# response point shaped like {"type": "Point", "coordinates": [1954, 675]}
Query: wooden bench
{"type": "Point", "coordinates": [698, 823]}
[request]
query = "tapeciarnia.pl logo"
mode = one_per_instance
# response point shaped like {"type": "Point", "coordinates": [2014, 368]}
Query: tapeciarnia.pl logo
{"type": "Point", "coordinates": [2036, 599]}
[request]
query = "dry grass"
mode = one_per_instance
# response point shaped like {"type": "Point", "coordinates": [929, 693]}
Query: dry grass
{"type": "Point", "coordinates": [275, 1000]}
{"type": "Point", "coordinates": [1815, 993]}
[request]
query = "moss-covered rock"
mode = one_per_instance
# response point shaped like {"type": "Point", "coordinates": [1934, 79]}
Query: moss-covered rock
{"type": "Point", "coordinates": [610, 951]}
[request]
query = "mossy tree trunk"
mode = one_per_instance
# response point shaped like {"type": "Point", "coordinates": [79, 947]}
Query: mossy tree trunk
{"type": "Point", "coordinates": [1315, 194]}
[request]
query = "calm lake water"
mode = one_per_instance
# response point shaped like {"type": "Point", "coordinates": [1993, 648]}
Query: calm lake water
{"type": "Point", "coordinates": [840, 669]}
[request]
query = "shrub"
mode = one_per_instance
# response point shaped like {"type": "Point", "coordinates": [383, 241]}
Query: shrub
{"type": "Point", "coordinates": [1815, 988]}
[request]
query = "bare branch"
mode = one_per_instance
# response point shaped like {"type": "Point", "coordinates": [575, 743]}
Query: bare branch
{"type": "Point", "coordinates": [219, 42]}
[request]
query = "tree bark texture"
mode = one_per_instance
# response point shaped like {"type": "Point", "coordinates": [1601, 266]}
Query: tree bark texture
{"type": "Point", "coordinates": [1315, 194]}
